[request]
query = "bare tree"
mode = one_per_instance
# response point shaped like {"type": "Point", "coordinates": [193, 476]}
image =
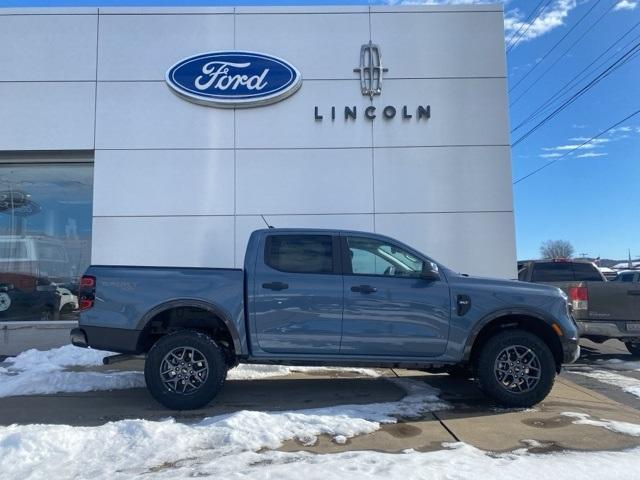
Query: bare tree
{"type": "Point", "coordinates": [556, 249]}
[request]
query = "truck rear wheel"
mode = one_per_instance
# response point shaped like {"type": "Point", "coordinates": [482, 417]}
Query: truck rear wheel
{"type": "Point", "coordinates": [516, 369]}
{"type": "Point", "coordinates": [185, 370]}
{"type": "Point", "coordinates": [633, 347]}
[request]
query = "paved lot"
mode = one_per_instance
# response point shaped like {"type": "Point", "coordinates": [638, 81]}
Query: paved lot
{"type": "Point", "coordinates": [473, 419]}
{"type": "Point", "coordinates": [598, 357]}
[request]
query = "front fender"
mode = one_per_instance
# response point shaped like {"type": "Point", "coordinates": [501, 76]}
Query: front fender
{"type": "Point", "coordinates": [498, 314]}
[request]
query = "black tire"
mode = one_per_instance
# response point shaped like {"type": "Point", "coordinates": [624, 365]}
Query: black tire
{"type": "Point", "coordinates": [495, 355]}
{"type": "Point", "coordinates": [634, 348]}
{"type": "Point", "coordinates": [207, 355]}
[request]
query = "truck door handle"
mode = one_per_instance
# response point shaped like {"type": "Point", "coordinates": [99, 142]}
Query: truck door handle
{"type": "Point", "coordinates": [364, 289]}
{"type": "Point", "coordinates": [633, 292]}
{"type": "Point", "coordinates": [275, 286]}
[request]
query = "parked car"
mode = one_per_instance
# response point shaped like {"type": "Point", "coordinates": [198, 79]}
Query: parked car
{"type": "Point", "coordinates": [602, 309]}
{"type": "Point", "coordinates": [628, 276]}
{"type": "Point", "coordinates": [326, 297]}
{"type": "Point", "coordinates": [25, 297]}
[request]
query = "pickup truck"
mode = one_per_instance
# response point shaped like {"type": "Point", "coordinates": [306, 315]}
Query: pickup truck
{"type": "Point", "coordinates": [326, 297]}
{"type": "Point", "coordinates": [602, 309]}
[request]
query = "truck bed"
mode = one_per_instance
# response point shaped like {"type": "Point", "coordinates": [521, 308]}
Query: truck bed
{"type": "Point", "coordinates": [130, 295]}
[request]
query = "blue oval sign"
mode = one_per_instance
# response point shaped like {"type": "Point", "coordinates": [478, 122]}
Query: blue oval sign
{"type": "Point", "coordinates": [234, 79]}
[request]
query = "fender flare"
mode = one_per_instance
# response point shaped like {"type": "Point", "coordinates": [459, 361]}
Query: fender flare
{"type": "Point", "coordinates": [192, 302]}
{"type": "Point", "coordinates": [487, 319]}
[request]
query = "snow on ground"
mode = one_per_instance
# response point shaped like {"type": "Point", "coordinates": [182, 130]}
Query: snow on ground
{"type": "Point", "coordinates": [133, 447]}
{"type": "Point", "coordinates": [37, 372]}
{"type": "Point", "coordinates": [618, 364]}
{"type": "Point", "coordinates": [628, 384]}
{"type": "Point", "coordinates": [257, 371]}
{"type": "Point", "coordinates": [626, 428]}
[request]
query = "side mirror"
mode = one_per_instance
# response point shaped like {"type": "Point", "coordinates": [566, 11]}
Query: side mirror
{"type": "Point", "coordinates": [430, 271]}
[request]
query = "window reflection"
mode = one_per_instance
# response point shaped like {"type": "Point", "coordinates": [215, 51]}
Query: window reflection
{"type": "Point", "coordinates": [45, 239]}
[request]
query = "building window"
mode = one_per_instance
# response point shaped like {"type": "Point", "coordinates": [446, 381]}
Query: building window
{"type": "Point", "coordinates": [45, 239]}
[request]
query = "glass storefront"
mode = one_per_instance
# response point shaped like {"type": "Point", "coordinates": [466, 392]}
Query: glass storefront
{"type": "Point", "coordinates": [45, 239]}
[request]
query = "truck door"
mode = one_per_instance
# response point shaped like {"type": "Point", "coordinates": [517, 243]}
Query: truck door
{"type": "Point", "coordinates": [390, 309]}
{"type": "Point", "coordinates": [298, 300]}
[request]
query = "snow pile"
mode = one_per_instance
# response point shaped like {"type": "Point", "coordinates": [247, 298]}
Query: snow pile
{"type": "Point", "coordinates": [227, 443]}
{"type": "Point", "coordinates": [37, 372]}
{"type": "Point", "coordinates": [625, 428]}
{"type": "Point", "coordinates": [618, 364]}
{"type": "Point", "coordinates": [258, 371]}
{"type": "Point", "coordinates": [628, 384]}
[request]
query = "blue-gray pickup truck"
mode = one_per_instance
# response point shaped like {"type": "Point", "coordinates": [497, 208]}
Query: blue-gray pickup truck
{"type": "Point", "coordinates": [327, 297]}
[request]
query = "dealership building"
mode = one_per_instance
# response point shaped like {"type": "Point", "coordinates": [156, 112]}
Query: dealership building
{"type": "Point", "coordinates": [165, 136]}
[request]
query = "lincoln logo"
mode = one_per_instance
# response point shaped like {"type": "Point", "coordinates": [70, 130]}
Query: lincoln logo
{"type": "Point", "coordinates": [370, 70]}
{"type": "Point", "coordinates": [233, 79]}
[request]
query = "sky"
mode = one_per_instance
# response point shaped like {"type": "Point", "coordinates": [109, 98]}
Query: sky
{"type": "Point", "coordinates": [589, 196]}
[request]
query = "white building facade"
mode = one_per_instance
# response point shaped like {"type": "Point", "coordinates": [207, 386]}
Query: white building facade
{"type": "Point", "coordinates": [166, 181]}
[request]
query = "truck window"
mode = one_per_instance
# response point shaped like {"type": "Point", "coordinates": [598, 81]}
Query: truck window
{"type": "Point", "coordinates": [552, 272]}
{"type": "Point", "coordinates": [300, 253]}
{"type": "Point", "coordinates": [626, 277]}
{"type": "Point", "coordinates": [586, 272]}
{"type": "Point", "coordinates": [374, 257]}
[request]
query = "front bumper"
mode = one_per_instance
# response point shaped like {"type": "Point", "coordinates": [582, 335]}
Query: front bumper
{"type": "Point", "coordinates": [609, 329]}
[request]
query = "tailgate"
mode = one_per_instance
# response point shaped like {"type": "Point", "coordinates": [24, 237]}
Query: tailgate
{"type": "Point", "coordinates": [614, 301]}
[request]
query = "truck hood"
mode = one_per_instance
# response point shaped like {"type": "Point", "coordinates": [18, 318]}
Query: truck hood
{"type": "Point", "coordinates": [502, 284]}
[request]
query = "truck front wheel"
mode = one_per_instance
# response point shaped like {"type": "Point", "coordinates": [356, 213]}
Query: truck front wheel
{"type": "Point", "coordinates": [185, 370]}
{"type": "Point", "coordinates": [516, 368]}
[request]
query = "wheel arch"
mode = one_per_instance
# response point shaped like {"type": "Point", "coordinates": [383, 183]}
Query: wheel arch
{"type": "Point", "coordinates": [530, 321]}
{"type": "Point", "coordinates": [171, 315]}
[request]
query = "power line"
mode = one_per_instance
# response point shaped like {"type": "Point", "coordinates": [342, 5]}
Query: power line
{"type": "Point", "coordinates": [535, 82]}
{"type": "Point", "coordinates": [528, 22]}
{"type": "Point", "coordinates": [578, 147]}
{"type": "Point", "coordinates": [608, 71]}
{"type": "Point", "coordinates": [556, 44]}
{"type": "Point", "coordinates": [578, 77]}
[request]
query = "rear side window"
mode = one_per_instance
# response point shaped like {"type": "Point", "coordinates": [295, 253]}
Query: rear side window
{"type": "Point", "coordinates": [552, 272]}
{"type": "Point", "coordinates": [587, 272]}
{"type": "Point", "coordinates": [300, 253]}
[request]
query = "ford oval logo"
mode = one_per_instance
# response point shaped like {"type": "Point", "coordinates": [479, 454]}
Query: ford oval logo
{"type": "Point", "coordinates": [233, 79]}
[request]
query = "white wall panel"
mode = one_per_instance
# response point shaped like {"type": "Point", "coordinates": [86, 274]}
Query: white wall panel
{"type": "Point", "coordinates": [284, 35]}
{"type": "Point", "coordinates": [442, 179]}
{"type": "Point", "coordinates": [48, 47]}
{"type": "Point", "coordinates": [245, 225]}
{"type": "Point", "coordinates": [432, 45]}
{"type": "Point", "coordinates": [463, 112]}
{"type": "Point", "coordinates": [148, 115]}
{"type": "Point", "coordinates": [291, 123]}
{"type": "Point", "coordinates": [304, 181]}
{"type": "Point", "coordinates": [143, 47]}
{"type": "Point", "coordinates": [163, 241]}
{"type": "Point", "coordinates": [46, 115]}
{"type": "Point", "coordinates": [157, 182]}
{"type": "Point", "coordinates": [473, 243]}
